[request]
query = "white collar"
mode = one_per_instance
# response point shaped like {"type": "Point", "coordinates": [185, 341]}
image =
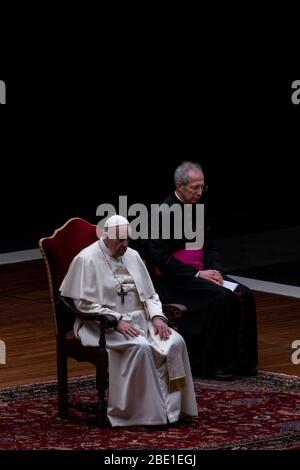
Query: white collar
{"type": "Point", "coordinates": [178, 197]}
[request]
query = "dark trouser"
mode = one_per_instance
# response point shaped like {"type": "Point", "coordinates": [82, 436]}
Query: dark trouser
{"type": "Point", "coordinates": [219, 327]}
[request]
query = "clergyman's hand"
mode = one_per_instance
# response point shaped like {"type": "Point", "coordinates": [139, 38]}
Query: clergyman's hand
{"type": "Point", "coordinates": [127, 329]}
{"type": "Point", "coordinates": [211, 275]}
{"type": "Point", "coordinates": [161, 328]}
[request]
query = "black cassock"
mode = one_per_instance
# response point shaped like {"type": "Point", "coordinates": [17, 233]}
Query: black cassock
{"type": "Point", "coordinates": [220, 325]}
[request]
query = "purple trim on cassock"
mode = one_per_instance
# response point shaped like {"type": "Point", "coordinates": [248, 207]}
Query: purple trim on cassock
{"type": "Point", "coordinates": [190, 257]}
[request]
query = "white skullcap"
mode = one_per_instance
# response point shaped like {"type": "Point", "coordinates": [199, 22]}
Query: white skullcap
{"type": "Point", "coordinates": [116, 220]}
{"type": "Point", "coordinates": [110, 227]}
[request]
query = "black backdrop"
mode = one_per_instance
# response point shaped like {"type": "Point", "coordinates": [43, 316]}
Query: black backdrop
{"type": "Point", "coordinates": [62, 157]}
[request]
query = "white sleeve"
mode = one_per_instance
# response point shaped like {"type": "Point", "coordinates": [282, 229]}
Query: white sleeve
{"type": "Point", "coordinates": [85, 306]}
{"type": "Point", "coordinates": [153, 307]}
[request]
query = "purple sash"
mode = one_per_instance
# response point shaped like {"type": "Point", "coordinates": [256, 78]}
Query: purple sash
{"type": "Point", "coordinates": [191, 257]}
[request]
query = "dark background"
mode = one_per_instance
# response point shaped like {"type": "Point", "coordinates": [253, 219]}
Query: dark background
{"type": "Point", "coordinates": [67, 147]}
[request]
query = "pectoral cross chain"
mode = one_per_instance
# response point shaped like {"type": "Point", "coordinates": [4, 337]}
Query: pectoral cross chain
{"type": "Point", "coordinates": [122, 293]}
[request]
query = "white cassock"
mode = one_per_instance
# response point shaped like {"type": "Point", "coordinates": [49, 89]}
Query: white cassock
{"type": "Point", "coordinates": [150, 381]}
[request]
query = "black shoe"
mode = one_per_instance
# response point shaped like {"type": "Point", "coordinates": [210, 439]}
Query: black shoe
{"type": "Point", "coordinates": [247, 371]}
{"type": "Point", "coordinates": [223, 374]}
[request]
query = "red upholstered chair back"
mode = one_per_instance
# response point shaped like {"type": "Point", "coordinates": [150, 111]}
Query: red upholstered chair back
{"type": "Point", "coordinates": [59, 250]}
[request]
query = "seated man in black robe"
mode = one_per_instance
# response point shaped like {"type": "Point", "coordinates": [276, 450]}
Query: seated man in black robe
{"type": "Point", "coordinates": [220, 325]}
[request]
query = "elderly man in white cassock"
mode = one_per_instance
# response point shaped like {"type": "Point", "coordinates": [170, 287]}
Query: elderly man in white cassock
{"type": "Point", "coordinates": [150, 381]}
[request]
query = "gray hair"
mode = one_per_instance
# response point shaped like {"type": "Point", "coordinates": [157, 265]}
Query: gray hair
{"type": "Point", "coordinates": [181, 174]}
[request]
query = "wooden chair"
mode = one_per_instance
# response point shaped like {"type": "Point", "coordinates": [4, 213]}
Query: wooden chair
{"type": "Point", "coordinates": [58, 251]}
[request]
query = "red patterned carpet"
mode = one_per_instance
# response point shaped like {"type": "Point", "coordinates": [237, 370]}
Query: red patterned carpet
{"type": "Point", "coordinates": [261, 412]}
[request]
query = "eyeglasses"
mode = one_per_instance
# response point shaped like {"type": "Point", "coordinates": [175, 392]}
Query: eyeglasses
{"type": "Point", "coordinates": [194, 189]}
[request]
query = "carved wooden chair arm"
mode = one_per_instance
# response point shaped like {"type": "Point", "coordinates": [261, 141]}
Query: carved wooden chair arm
{"type": "Point", "coordinates": [107, 320]}
{"type": "Point", "coordinates": [173, 312]}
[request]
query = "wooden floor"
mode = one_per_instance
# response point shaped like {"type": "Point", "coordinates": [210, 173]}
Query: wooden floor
{"type": "Point", "coordinates": [27, 328]}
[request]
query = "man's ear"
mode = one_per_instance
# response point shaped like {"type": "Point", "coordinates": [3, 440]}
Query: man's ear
{"type": "Point", "coordinates": [179, 185]}
{"type": "Point", "coordinates": [99, 231]}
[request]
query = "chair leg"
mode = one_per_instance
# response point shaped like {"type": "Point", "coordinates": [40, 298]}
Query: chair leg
{"type": "Point", "coordinates": [62, 382]}
{"type": "Point", "coordinates": [101, 385]}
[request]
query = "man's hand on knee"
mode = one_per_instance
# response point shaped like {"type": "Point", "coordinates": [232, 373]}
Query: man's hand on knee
{"type": "Point", "coordinates": [161, 328]}
{"type": "Point", "coordinates": [211, 275]}
{"type": "Point", "coordinates": [127, 329]}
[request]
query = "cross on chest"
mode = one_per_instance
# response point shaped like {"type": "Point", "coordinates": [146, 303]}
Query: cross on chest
{"type": "Point", "coordinates": [122, 294]}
